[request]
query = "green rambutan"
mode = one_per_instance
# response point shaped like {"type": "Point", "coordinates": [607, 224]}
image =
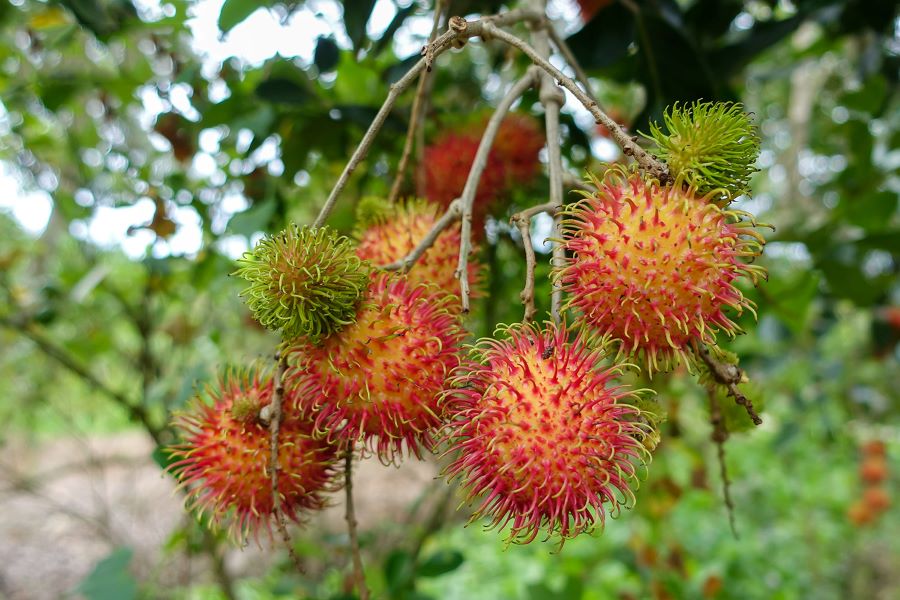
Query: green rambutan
{"type": "Point", "coordinates": [712, 146]}
{"type": "Point", "coordinates": [304, 281]}
{"type": "Point", "coordinates": [543, 435]}
{"type": "Point", "coordinates": [223, 459]}
{"type": "Point", "coordinates": [380, 378]}
{"type": "Point", "coordinates": [654, 266]}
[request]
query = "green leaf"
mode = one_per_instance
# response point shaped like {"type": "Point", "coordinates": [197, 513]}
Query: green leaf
{"type": "Point", "coordinates": [442, 561]}
{"type": "Point", "coordinates": [398, 570]}
{"type": "Point", "coordinates": [868, 98]}
{"type": "Point", "coordinates": [252, 220]}
{"type": "Point", "coordinates": [235, 11]}
{"type": "Point", "coordinates": [327, 55]}
{"type": "Point", "coordinates": [110, 579]}
{"type": "Point", "coordinates": [281, 90]}
{"type": "Point", "coordinates": [356, 16]}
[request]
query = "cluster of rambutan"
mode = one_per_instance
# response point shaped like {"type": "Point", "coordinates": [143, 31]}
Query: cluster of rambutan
{"type": "Point", "coordinates": [875, 499]}
{"type": "Point", "coordinates": [543, 432]}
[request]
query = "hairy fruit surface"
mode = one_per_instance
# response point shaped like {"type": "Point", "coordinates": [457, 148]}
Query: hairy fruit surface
{"type": "Point", "coordinates": [223, 460]}
{"type": "Point", "coordinates": [655, 266]}
{"type": "Point", "coordinates": [713, 146]}
{"type": "Point", "coordinates": [545, 438]}
{"type": "Point", "coordinates": [380, 378]}
{"type": "Point", "coordinates": [397, 230]}
{"type": "Point", "coordinates": [304, 281]}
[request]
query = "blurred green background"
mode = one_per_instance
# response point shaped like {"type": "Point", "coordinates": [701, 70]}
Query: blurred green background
{"type": "Point", "coordinates": [145, 145]}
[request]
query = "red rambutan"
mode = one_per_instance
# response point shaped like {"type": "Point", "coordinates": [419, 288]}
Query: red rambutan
{"type": "Point", "coordinates": [513, 161]}
{"type": "Point", "coordinates": [223, 460]}
{"type": "Point", "coordinates": [395, 234]}
{"type": "Point", "coordinates": [655, 266]}
{"type": "Point", "coordinates": [543, 434]}
{"type": "Point", "coordinates": [381, 377]}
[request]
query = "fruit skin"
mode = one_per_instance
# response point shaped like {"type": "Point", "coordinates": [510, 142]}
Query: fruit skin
{"type": "Point", "coordinates": [873, 469]}
{"type": "Point", "coordinates": [542, 435]}
{"type": "Point", "coordinates": [860, 514]}
{"type": "Point", "coordinates": [877, 499]}
{"type": "Point", "coordinates": [713, 146]}
{"type": "Point", "coordinates": [380, 378]}
{"type": "Point", "coordinates": [654, 266]}
{"type": "Point", "coordinates": [393, 230]}
{"type": "Point", "coordinates": [874, 448]}
{"type": "Point", "coordinates": [223, 460]}
{"type": "Point", "coordinates": [304, 281]}
{"type": "Point", "coordinates": [512, 162]}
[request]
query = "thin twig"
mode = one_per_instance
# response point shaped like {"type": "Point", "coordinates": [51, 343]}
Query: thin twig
{"type": "Point", "coordinates": [417, 110]}
{"type": "Point", "coordinates": [452, 213]}
{"type": "Point", "coordinates": [730, 376]}
{"type": "Point", "coordinates": [629, 145]}
{"type": "Point", "coordinates": [552, 98]}
{"type": "Point", "coordinates": [272, 414]}
{"type": "Point", "coordinates": [359, 573]}
{"type": "Point", "coordinates": [522, 221]}
{"type": "Point", "coordinates": [61, 356]}
{"type": "Point", "coordinates": [719, 436]}
{"type": "Point", "coordinates": [460, 30]}
{"type": "Point", "coordinates": [478, 165]}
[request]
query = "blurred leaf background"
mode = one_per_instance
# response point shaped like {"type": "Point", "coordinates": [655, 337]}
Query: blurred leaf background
{"type": "Point", "coordinates": [145, 145]}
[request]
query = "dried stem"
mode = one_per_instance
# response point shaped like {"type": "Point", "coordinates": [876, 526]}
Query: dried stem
{"type": "Point", "coordinates": [552, 98]}
{"type": "Point", "coordinates": [730, 376]}
{"type": "Point", "coordinates": [719, 436]}
{"type": "Point", "coordinates": [418, 109]}
{"type": "Point", "coordinates": [272, 414]}
{"type": "Point", "coordinates": [458, 33]}
{"type": "Point", "coordinates": [452, 213]}
{"type": "Point", "coordinates": [527, 295]}
{"type": "Point", "coordinates": [358, 573]}
{"type": "Point", "coordinates": [629, 145]}
{"type": "Point", "coordinates": [479, 163]}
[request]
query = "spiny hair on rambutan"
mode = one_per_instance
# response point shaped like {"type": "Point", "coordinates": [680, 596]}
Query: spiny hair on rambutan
{"type": "Point", "coordinates": [544, 435]}
{"type": "Point", "coordinates": [655, 266]}
{"type": "Point", "coordinates": [304, 281]}
{"type": "Point", "coordinates": [713, 146]}
{"type": "Point", "coordinates": [389, 232]}
{"type": "Point", "coordinates": [224, 457]}
{"type": "Point", "coordinates": [379, 379]}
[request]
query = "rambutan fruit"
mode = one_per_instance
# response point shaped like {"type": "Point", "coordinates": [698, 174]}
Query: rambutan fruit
{"type": "Point", "coordinates": [304, 281]}
{"type": "Point", "coordinates": [877, 498]}
{"type": "Point", "coordinates": [654, 266]}
{"type": "Point", "coordinates": [873, 470]}
{"type": "Point", "coordinates": [589, 8]}
{"type": "Point", "coordinates": [544, 436]}
{"type": "Point", "coordinates": [513, 161]}
{"type": "Point", "coordinates": [380, 378]}
{"type": "Point", "coordinates": [713, 146]}
{"type": "Point", "coordinates": [224, 457]}
{"type": "Point", "coordinates": [391, 232]}
{"type": "Point", "coordinates": [874, 448]}
{"type": "Point", "coordinates": [860, 514]}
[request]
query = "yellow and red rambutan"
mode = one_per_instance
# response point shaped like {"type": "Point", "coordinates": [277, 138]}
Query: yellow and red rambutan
{"type": "Point", "coordinates": [655, 266]}
{"type": "Point", "coordinates": [391, 233]}
{"type": "Point", "coordinates": [513, 161]}
{"type": "Point", "coordinates": [224, 457]}
{"type": "Point", "coordinates": [380, 379]}
{"type": "Point", "coordinates": [544, 435]}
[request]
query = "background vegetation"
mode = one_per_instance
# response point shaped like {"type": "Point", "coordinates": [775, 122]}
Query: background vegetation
{"type": "Point", "coordinates": [110, 111]}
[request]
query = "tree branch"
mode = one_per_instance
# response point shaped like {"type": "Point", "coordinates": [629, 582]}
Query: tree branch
{"type": "Point", "coordinates": [729, 376]}
{"type": "Point", "coordinates": [458, 33]}
{"type": "Point", "coordinates": [359, 573]}
{"type": "Point", "coordinates": [272, 414]}
{"type": "Point", "coordinates": [418, 109]}
{"type": "Point", "coordinates": [719, 436]}
{"type": "Point", "coordinates": [452, 213]}
{"type": "Point", "coordinates": [478, 165]}
{"type": "Point", "coordinates": [629, 145]}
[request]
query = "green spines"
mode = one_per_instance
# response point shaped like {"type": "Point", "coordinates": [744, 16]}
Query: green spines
{"type": "Point", "coordinates": [305, 282]}
{"type": "Point", "coordinates": [373, 210]}
{"type": "Point", "coordinates": [712, 146]}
